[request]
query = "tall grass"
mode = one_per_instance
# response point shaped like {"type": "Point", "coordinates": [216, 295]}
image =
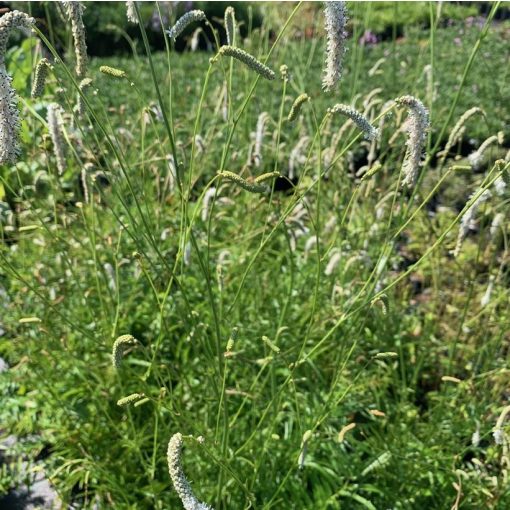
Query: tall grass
{"type": "Point", "coordinates": [319, 337]}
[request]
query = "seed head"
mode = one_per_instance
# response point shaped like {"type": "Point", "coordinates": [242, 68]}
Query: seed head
{"type": "Point", "coordinates": [296, 106]}
{"type": "Point", "coordinates": [41, 72]}
{"type": "Point", "coordinates": [333, 263]}
{"type": "Point", "coordinates": [335, 14]}
{"type": "Point", "coordinates": [304, 448]}
{"type": "Point", "coordinates": [230, 25]}
{"type": "Point", "coordinates": [417, 127]}
{"type": "Point", "coordinates": [55, 127]}
{"type": "Point", "coordinates": [9, 113]}
{"type": "Point", "coordinates": [243, 183]}
{"type": "Point", "coordinates": [266, 177]}
{"type": "Point", "coordinates": [249, 60]}
{"type": "Point", "coordinates": [74, 11]}
{"type": "Point", "coordinates": [458, 130]}
{"type": "Point", "coordinates": [80, 106]}
{"type": "Point", "coordinates": [113, 71]}
{"type": "Point", "coordinates": [476, 158]}
{"type": "Point", "coordinates": [119, 346]}
{"type": "Point", "coordinates": [296, 156]}
{"type": "Point", "coordinates": [131, 12]}
{"type": "Point", "coordinates": [467, 218]}
{"type": "Point", "coordinates": [271, 344]}
{"type": "Point", "coordinates": [130, 399]}
{"type": "Point", "coordinates": [184, 21]}
{"type": "Point", "coordinates": [370, 132]}
{"type": "Point", "coordinates": [284, 72]}
{"type": "Point", "coordinates": [259, 135]}
{"type": "Point", "coordinates": [10, 20]}
{"type": "Point", "coordinates": [179, 480]}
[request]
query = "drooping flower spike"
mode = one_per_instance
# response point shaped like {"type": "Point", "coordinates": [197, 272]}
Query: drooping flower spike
{"type": "Point", "coordinates": [476, 158]}
{"type": "Point", "coordinates": [41, 72]}
{"type": "Point", "coordinates": [369, 131]}
{"type": "Point", "coordinates": [181, 485]}
{"type": "Point", "coordinates": [113, 71]}
{"type": "Point", "coordinates": [80, 105]}
{"type": "Point", "coordinates": [119, 347]}
{"type": "Point", "coordinates": [55, 127]}
{"type": "Point", "coordinates": [335, 14]}
{"type": "Point", "coordinates": [249, 60]}
{"type": "Point", "coordinates": [74, 12]}
{"type": "Point", "coordinates": [243, 183]}
{"type": "Point", "coordinates": [9, 113]}
{"type": "Point", "coordinates": [458, 130]}
{"type": "Point", "coordinates": [184, 21]}
{"type": "Point", "coordinates": [296, 106]}
{"type": "Point", "coordinates": [131, 12]}
{"type": "Point", "coordinates": [230, 25]}
{"type": "Point", "coordinates": [130, 399]}
{"type": "Point", "coordinates": [417, 127]}
{"type": "Point", "coordinates": [467, 218]}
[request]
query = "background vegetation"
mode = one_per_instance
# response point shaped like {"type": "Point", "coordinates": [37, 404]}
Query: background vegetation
{"type": "Point", "coordinates": [117, 245]}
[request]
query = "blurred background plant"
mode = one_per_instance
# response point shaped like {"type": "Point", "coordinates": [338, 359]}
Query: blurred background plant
{"type": "Point", "coordinates": [113, 246]}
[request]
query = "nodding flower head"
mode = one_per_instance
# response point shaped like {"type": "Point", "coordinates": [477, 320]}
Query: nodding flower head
{"type": "Point", "coordinates": [249, 60]}
{"type": "Point", "coordinates": [458, 130]}
{"type": "Point", "coordinates": [369, 131]}
{"type": "Point", "coordinates": [417, 127]}
{"type": "Point", "coordinates": [179, 480]}
{"type": "Point", "coordinates": [55, 127]}
{"type": "Point", "coordinates": [74, 12]}
{"type": "Point", "coordinates": [230, 25]}
{"type": "Point", "coordinates": [10, 20]}
{"type": "Point", "coordinates": [284, 72]}
{"type": "Point", "coordinates": [9, 119]}
{"type": "Point", "coordinates": [259, 135]}
{"type": "Point", "coordinates": [41, 72]}
{"type": "Point", "coordinates": [184, 21]}
{"type": "Point", "coordinates": [113, 71]}
{"type": "Point", "coordinates": [9, 113]}
{"type": "Point", "coordinates": [131, 12]}
{"type": "Point", "coordinates": [335, 14]}
{"type": "Point", "coordinates": [130, 399]}
{"type": "Point", "coordinates": [296, 106]}
{"type": "Point", "coordinates": [119, 347]}
{"type": "Point", "coordinates": [476, 158]}
{"type": "Point", "coordinates": [243, 183]}
{"type": "Point", "coordinates": [80, 106]}
{"type": "Point", "coordinates": [467, 218]}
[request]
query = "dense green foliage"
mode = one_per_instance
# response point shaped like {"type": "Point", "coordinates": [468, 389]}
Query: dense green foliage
{"type": "Point", "coordinates": [334, 266]}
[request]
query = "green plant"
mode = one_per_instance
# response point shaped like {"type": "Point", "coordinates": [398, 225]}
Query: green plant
{"type": "Point", "coordinates": [318, 339]}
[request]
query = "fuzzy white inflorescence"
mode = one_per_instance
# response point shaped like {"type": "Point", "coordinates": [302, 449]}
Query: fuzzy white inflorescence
{"type": "Point", "coordinates": [119, 346]}
{"type": "Point", "coordinates": [184, 21]}
{"type": "Point", "coordinates": [181, 484]}
{"type": "Point", "coordinates": [9, 113]}
{"type": "Point", "coordinates": [74, 12]}
{"type": "Point", "coordinates": [41, 72]}
{"type": "Point", "coordinates": [369, 131]}
{"type": "Point", "coordinates": [230, 25]}
{"type": "Point", "coordinates": [209, 195]}
{"type": "Point", "coordinates": [467, 218]}
{"type": "Point", "coordinates": [476, 158]}
{"type": "Point", "coordinates": [248, 60]}
{"type": "Point", "coordinates": [335, 14]}
{"type": "Point", "coordinates": [296, 156]}
{"type": "Point", "coordinates": [261, 125]}
{"type": "Point", "coordinates": [458, 130]}
{"type": "Point", "coordinates": [80, 105]}
{"type": "Point", "coordinates": [54, 118]}
{"type": "Point", "coordinates": [131, 12]}
{"type": "Point", "coordinates": [417, 127]}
